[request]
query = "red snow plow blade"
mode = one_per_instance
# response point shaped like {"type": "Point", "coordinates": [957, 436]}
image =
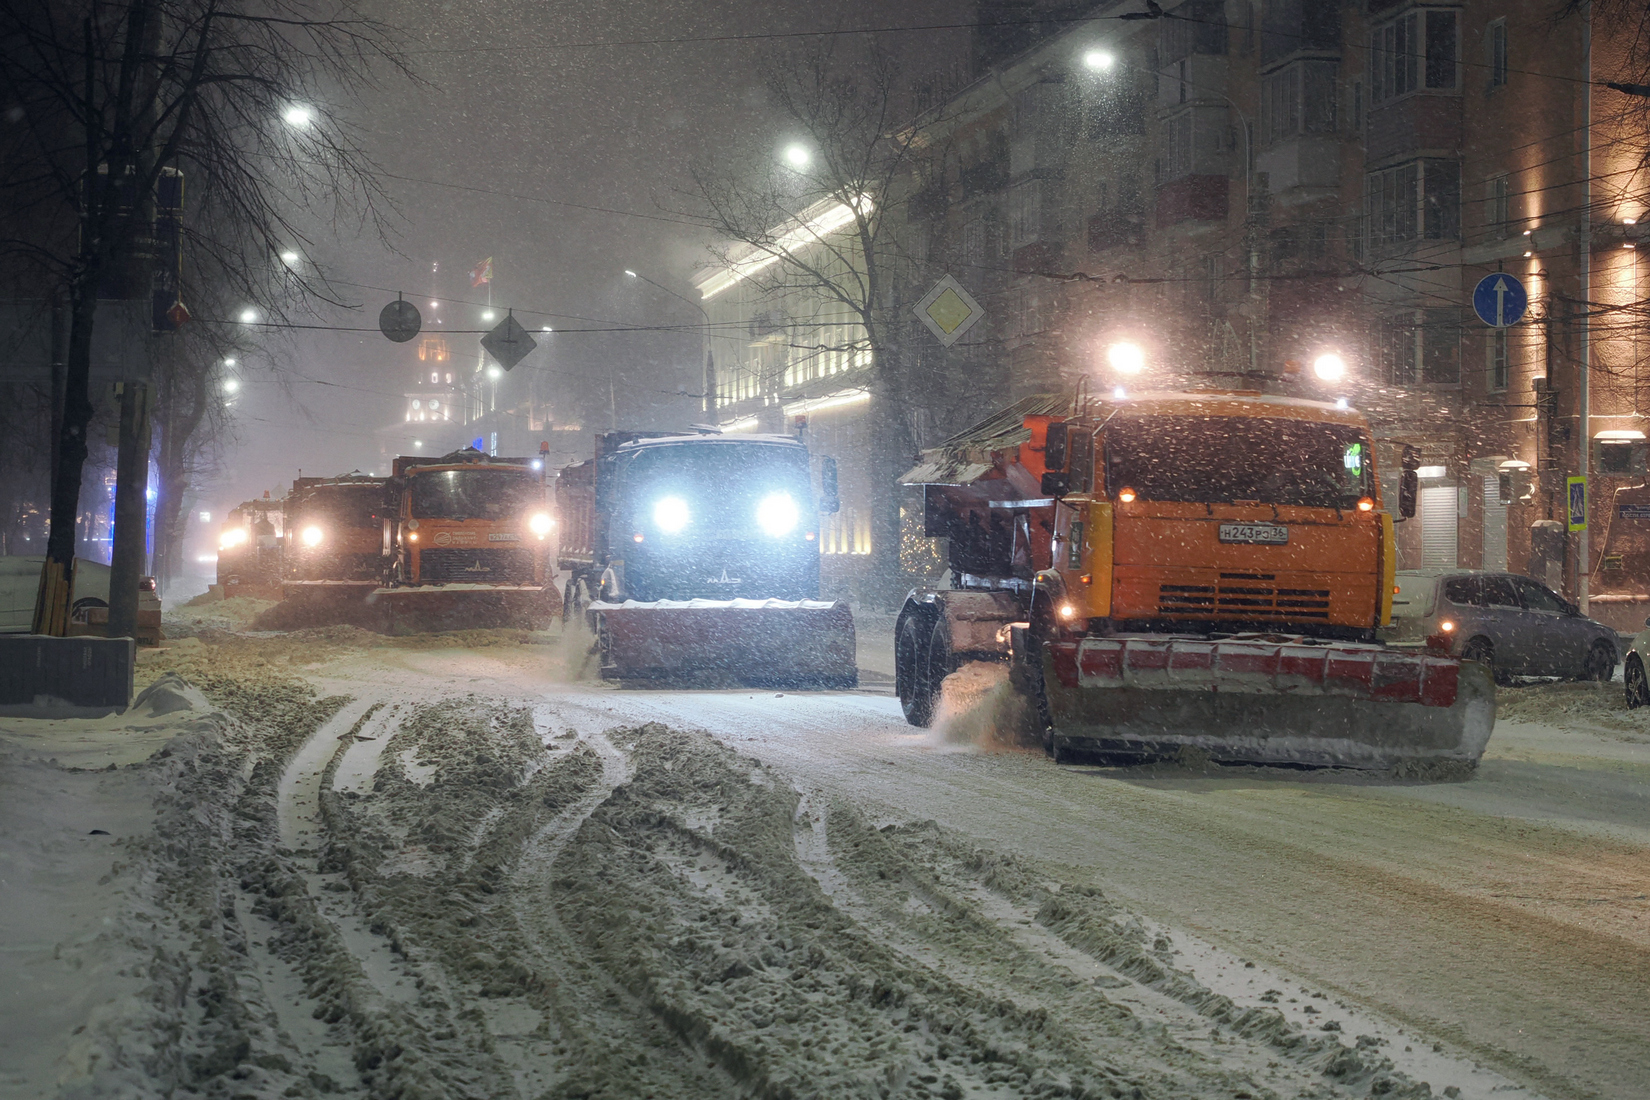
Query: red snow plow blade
{"type": "Point", "coordinates": [418, 609]}
{"type": "Point", "coordinates": [1266, 699]}
{"type": "Point", "coordinates": [797, 642]}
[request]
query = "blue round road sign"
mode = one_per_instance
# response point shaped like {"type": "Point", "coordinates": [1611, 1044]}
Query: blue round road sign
{"type": "Point", "coordinates": [1499, 300]}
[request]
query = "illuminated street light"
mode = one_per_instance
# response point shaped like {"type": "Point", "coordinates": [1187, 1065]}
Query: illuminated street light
{"type": "Point", "coordinates": [494, 373]}
{"type": "Point", "coordinates": [298, 116]}
{"type": "Point", "coordinates": [629, 272]}
{"type": "Point", "coordinates": [1099, 60]}
{"type": "Point", "coordinates": [797, 156]}
{"type": "Point", "coordinates": [289, 257]}
{"type": "Point", "coordinates": [229, 362]}
{"type": "Point", "coordinates": [1329, 367]}
{"type": "Point", "coordinates": [1126, 358]}
{"type": "Point", "coordinates": [488, 315]}
{"type": "Point", "coordinates": [249, 316]}
{"type": "Point", "coordinates": [230, 385]}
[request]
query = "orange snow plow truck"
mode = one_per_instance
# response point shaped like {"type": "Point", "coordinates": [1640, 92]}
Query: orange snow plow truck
{"type": "Point", "coordinates": [469, 545]}
{"type": "Point", "coordinates": [1185, 573]}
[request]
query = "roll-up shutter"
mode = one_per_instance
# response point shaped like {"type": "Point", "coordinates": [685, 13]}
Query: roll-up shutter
{"type": "Point", "coordinates": [1438, 526]}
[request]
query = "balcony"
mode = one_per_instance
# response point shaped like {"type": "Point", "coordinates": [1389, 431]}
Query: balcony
{"type": "Point", "coordinates": [1192, 198]}
{"type": "Point", "coordinates": [1412, 124]}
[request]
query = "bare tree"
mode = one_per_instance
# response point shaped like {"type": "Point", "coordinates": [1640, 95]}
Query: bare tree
{"type": "Point", "coordinates": [850, 117]}
{"type": "Point", "coordinates": [107, 99]}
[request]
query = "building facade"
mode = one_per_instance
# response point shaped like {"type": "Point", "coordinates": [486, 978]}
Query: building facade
{"type": "Point", "coordinates": [1247, 190]}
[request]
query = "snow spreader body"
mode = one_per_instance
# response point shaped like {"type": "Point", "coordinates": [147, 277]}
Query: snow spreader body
{"type": "Point", "coordinates": [470, 544]}
{"type": "Point", "coordinates": [698, 555]}
{"type": "Point", "coordinates": [1181, 573]}
{"type": "Point", "coordinates": [337, 534]}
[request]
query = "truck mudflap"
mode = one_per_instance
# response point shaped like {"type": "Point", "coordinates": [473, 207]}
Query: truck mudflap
{"type": "Point", "coordinates": [797, 642]}
{"type": "Point", "coordinates": [421, 608]}
{"type": "Point", "coordinates": [1266, 699]}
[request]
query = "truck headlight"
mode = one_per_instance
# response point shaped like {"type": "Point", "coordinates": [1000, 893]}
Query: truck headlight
{"type": "Point", "coordinates": [540, 524]}
{"type": "Point", "coordinates": [670, 515]}
{"type": "Point", "coordinates": [777, 514]}
{"type": "Point", "coordinates": [232, 538]}
{"type": "Point", "coordinates": [312, 536]}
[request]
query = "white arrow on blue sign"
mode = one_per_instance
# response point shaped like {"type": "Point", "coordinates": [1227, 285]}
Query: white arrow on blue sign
{"type": "Point", "coordinates": [1499, 300]}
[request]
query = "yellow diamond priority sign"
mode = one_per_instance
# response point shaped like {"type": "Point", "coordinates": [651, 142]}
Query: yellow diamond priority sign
{"type": "Point", "coordinates": [948, 310]}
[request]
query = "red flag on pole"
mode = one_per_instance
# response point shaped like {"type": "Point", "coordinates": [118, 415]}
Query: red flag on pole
{"type": "Point", "coordinates": [482, 273]}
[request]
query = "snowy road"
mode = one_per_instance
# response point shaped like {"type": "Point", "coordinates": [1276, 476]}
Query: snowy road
{"type": "Point", "coordinates": [461, 872]}
{"type": "Point", "coordinates": [1507, 916]}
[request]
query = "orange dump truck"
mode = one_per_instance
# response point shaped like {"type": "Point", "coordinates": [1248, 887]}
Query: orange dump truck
{"type": "Point", "coordinates": [470, 543]}
{"type": "Point", "coordinates": [335, 542]}
{"type": "Point", "coordinates": [1184, 571]}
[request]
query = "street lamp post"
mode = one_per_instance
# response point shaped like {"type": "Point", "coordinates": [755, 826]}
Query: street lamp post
{"type": "Point", "coordinates": [707, 377]}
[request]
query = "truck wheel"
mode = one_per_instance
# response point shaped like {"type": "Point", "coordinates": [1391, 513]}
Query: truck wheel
{"type": "Point", "coordinates": [916, 696]}
{"type": "Point", "coordinates": [575, 600]}
{"type": "Point", "coordinates": [941, 661]}
{"type": "Point", "coordinates": [1032, 676]}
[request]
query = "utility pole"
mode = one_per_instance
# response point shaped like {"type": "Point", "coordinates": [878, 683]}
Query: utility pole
{"type": "Point", "coordinates": [1583, 551]}
{"type": "Point", "coordinates": [127, 558]}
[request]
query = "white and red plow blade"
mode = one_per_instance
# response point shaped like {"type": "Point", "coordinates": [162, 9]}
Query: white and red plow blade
{"type": "Point", "coordinates": [789, 641]}
{"type": "Point", "coordinates": [1267, 699]}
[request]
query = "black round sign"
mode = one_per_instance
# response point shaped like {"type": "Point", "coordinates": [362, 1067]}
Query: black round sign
{"type": "Point", "coordinates": [400, 321]}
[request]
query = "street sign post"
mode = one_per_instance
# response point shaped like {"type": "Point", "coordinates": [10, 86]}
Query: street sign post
{"type": "Point", "coordinates": [948, 310]}
{"type": "Point", "coordinates": [1576, 494]}
{"type": "Point", "coordinates": [508, 343]}
{"type": "Point", "coordinates": [1500, 300]}
{"type": "Point", "coordinates": [400, 321]}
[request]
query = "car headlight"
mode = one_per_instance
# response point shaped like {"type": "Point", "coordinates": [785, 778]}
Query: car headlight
{"type": "Point", "coordinates": [540, 524]}
{"type": "Point", "coordinates": [232, 538]}
{"type": "Point", "coordinates": [777, 514]}
{"type": "Point", "coordinates": [312, 536]}
{"type": "Point", "coordinates": [670, 515]}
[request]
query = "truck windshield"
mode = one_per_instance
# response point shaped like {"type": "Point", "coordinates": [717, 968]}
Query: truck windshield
{"type": "Point", "coordinates": [1222, 459]}
{"type": "Point", "coordinates": [472, 494]}
{"type": "Point", "coordinates": [353, 507]}
{"type": "Point", "coordinates": [721, 482]}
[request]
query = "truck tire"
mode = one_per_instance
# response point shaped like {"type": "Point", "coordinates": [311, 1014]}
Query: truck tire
{"type": "Point", "coordinates": [575, 599]}
{"type": "Point", "coordinates": [911, 638]}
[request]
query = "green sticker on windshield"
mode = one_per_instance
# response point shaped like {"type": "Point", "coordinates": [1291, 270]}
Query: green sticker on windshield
{"type": "Point", "coordinates": [1355, 457]}
{"type": "Point", "coordinates": [1074, 554]}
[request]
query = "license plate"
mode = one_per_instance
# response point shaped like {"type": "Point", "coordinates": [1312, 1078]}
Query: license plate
{"type": "Point", "coordinates": [1267, 534]}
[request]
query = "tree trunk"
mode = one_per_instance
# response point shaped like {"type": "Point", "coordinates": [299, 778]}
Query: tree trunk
{"type": "Point", "coordinates": [51, 613]}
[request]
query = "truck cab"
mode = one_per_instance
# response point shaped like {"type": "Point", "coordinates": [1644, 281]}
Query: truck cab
{"type": "Point", "coordinates": [337, 532]}
{"type": "Point", "coordinates": [681, 517]}
{"type": "Point", "coordinates": [470, 518]}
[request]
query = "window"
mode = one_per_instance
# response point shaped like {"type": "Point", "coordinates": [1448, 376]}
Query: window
{"type": "Point", "coordinates": [1440, 347]}
{"type": "Point", "coordinates": [1496, 347]}
{"type": "Point", "coordinates": [1499, 592]}
{"type": "Point", "coordinates": [1421, 199]}
{"type": "Point", "coordinates": [1395, 349]}
{"type": "Point", "coordinates": [1538, 597]}
{"type": "Point", "coordinates": [1176, 138]}
{"type": "Point", "coordinates": [1441, 200]}
{"type": "Point", "coordinates": [1497, 207]}
{"type": "Point", "coordinates": [1495, 52]}
{"type": "Point", "coordinates": [1415, 50]}
{"type": "Point", "coordinates": [1298, 99]}
{"type": "Point", "coordinates": [1024, 214]}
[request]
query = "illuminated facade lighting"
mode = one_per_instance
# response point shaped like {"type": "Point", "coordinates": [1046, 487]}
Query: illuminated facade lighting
{"type": "Point", "coordinates": [810, 227]}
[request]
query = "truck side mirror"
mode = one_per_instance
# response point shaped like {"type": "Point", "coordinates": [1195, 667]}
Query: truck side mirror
{"type": "Point", "coordinates": [1055, 483]}
{"type": "Point", "coordinates": [1054, 448]}
{"type": "Point", "coordinates": [830, 500]}
{"type": "Point", "coordinates": [1409, 485]}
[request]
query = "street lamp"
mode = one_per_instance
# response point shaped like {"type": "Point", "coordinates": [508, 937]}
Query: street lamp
{"type": "Point", "coordinates": [249, 316]}
{"type": "Point", "coordinates": [230, 385]}
{"type": "Point", "coordinates": [1099, 60]}
{"type": "Point", "coordinates": [1126, 358]}
{"type": "Point", "coordinates": [488, 315]}
{"type": "Point", "coordinates": [797, 156]}
{"type": "Point", "coordinates": [298, 116]}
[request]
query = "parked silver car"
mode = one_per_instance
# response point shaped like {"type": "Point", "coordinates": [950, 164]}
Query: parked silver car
{"type": "Point", "coordinates": [1515, 624]}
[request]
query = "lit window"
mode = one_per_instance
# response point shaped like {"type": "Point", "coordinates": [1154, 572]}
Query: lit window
{"type": "Point", "coordinates": [435, 376]}
{"type": "Point", "coordinates": [417, 404]}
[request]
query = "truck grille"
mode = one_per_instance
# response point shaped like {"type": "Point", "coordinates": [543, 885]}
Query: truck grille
{"type": "Point", "coordinates": [480, 566]}
{"type": "Point", "coordinates": [1242, 596]}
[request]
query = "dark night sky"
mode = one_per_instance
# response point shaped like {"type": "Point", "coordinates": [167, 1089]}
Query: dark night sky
{"type": "Point", "coordinates": [545, 117]}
